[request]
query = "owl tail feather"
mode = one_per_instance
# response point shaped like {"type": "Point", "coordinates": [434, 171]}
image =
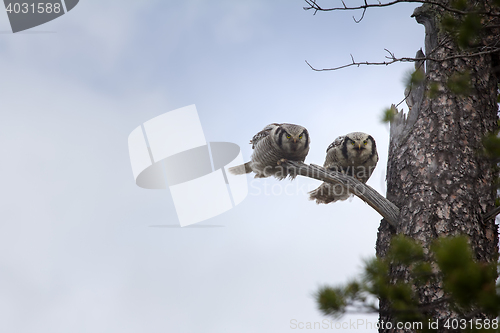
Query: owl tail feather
{"type": "Point", "coordinates": [241, 169]}
{"type": "Point", "coordinates": [327, 193]}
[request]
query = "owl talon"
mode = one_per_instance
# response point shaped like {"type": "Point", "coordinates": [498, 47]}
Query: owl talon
{"type": "Point", "coordinates": [283, 160]}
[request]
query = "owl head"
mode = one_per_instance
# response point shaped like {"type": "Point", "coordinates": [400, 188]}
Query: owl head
{"type": "Point", "coordinates": [292, 139]}
{"type": "Point", "coordinates": [358, 146]}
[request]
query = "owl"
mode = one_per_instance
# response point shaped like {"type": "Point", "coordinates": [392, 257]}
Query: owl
{"type": "Point", "coordinates": [276, 142]}
{"type": "Point", "coordinates": [354, 154]}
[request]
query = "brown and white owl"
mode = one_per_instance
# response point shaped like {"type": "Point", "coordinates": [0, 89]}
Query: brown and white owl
{"type": "Point", "coordinates": [354, 154]}
{"type": "Point", "coordinates": [273, 144]}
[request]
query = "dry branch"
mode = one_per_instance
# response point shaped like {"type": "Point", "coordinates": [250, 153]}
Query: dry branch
{"type": "Point", "coordinates": [393, 59]}
{"type": "Point", "coordinates": [384, 207]}
{"type": "Point", "coordinates": [313, 5]}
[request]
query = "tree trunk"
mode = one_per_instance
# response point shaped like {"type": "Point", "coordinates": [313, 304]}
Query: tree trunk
{"type": "Point", "coordinates": [436, 174]}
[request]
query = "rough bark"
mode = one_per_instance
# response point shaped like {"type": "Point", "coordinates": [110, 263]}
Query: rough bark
{"type": "Point", "coordinates": [436, 174]}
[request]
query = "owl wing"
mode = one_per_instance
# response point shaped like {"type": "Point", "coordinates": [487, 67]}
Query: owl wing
{"type": "Point", "coordinates": [326, 192]}
{"type": "Point", "coordinates": [337, 143]}
{"type": "Point", "coordinates": [262, 134]}
{"type": "Point", "coordinates": [333, 154]}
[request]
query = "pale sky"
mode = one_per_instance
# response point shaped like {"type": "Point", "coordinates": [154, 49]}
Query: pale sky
{"type": "Point", "coordinates": [78, 248]}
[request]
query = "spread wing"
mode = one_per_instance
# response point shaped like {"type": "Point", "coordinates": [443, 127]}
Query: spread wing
{"type": "Point", "coordinates": [262, 134]}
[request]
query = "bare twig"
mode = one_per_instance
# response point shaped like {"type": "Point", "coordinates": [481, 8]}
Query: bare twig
{"type": "Point", "coordinates": [406, 97]}
{"type": "Point", "coordinates": [362, 16]}
{"type": "Point", "coordinates": [313, 5]}
{"type": "Point", "coordinates": [384, 207]}
{"type": "Point", "coordinates": [408, 91]}
{"type": "Point", "coordinates": [392, 59]}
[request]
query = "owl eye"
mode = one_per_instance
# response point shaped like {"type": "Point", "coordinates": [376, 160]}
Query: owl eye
{"type": "Point", "coordinates": [300, 136]}
{"type": "Point", "coordinates": [352, 143]}
{"type": "Point", "coordinates": [288, 136]}
{"type": "Point", "coordinates": [365, 142]}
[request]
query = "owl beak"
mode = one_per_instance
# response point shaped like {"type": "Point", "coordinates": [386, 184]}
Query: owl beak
{"type": "Point", "coordinates": [294, 140]}
{"type": "Point", "coordinates": [359, 146]}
